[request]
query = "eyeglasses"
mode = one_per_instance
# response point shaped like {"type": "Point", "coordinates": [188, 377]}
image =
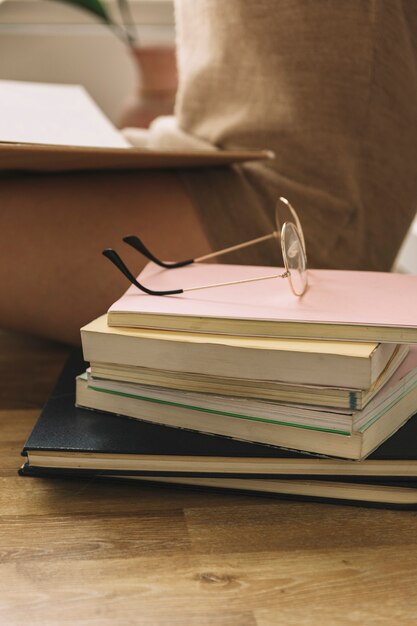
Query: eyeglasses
{"type": "Point", "coordinates": [293, 250]}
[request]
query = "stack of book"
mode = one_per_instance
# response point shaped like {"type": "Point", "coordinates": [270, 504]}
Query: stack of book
{"type": "Point", "coordinates": [245, 387]}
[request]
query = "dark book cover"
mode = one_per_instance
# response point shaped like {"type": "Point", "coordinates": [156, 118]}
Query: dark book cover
{"type": "Point", "coordinates": [63, 427]}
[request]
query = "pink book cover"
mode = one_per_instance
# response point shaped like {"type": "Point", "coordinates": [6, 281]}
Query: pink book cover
{"type": "Point", "coordinates": [376, 299]}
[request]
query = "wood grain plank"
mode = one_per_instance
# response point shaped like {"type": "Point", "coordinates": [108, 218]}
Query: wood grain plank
{"type": "Point", "coordinates": [28, 368]}
{"type": "Point", "coordinates": [92, 536]}
{"type": "Point", "coordinates": [294, 526]}
{"type": "Point", "coordinates": [14, 429]}
{"type": "Point", "coordinates": [30, 496]}
{"type": "Point", "coordinates": [333, 582]}
{"type": "Point", "coordinates": [362, 614]}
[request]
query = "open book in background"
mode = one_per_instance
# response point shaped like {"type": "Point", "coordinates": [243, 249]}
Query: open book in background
{"type": "Point", "coordinates": [47, 127]}
{"type": "Point", "coordinates": [62, 115]}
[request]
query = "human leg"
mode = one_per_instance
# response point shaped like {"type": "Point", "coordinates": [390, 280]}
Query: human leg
{"type": "Point", "coordinates": [53, 277]}
{"type": "Point", "coordinates": [331, 88]}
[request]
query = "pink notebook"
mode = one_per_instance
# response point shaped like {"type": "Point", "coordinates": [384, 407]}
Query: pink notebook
{"type": "Point", "coordinates": [344, 305]}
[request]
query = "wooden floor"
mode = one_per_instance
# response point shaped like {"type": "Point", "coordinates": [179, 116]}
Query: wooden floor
{"type": "Point", "coordinates": [89, 553]}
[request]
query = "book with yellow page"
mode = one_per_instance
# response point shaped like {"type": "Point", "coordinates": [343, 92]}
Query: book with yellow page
{"type": "Point", "coordinates": [341, 305]}
{"type": "Point", "coordinates": [267, 367]}
{"type": "Point", "coordinates": [341, 433]}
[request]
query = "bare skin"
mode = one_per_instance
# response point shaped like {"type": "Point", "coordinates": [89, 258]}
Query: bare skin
{"type": "Point", "coordinates": [53, 278]}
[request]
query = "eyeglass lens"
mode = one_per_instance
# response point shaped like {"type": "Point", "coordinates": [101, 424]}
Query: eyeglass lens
{"type": "Point", "coordinates": [294, 258]}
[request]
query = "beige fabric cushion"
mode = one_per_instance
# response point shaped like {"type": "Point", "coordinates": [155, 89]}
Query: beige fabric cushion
{"type": "Point", "coordinates": [331, 87]}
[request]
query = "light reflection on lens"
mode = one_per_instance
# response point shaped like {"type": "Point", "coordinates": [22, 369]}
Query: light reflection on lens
{"type": "Point", "coordinates": [294, 258]}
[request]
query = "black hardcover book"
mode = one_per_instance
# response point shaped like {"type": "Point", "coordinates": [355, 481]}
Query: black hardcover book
{"type": "Point", "coordinates": [67, 440]}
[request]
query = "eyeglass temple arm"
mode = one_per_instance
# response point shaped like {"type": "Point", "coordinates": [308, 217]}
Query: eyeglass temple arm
{"type": "Point", "coordinates": [112, 255]}
{"type": "Point", "coordinates": [138, 245]}
{"type": "Point", "coordinates": [285, 274]}
{"type": "Point", "coordinates": [238, 246]}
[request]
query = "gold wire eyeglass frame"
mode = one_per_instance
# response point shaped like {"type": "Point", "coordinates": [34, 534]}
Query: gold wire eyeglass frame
{"type": "Point", "coordinates": [292, 241]}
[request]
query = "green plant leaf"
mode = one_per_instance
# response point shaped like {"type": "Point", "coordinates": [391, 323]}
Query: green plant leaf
{"type": "Point", "coordinates": [93, 6]}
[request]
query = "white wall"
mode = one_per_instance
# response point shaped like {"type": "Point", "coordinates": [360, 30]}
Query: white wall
{"type": "Point", "coordinates": [53, 42]}
{"type": "Point", "coordinates": [407, 257]}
